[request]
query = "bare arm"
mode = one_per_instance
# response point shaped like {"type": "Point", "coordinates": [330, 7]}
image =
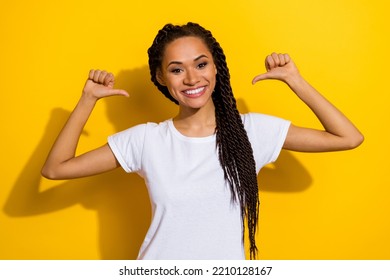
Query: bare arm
{"type": "Point", "coordinates": [339, 132]}
{"type": "Point", "coordinates": [62, 163]}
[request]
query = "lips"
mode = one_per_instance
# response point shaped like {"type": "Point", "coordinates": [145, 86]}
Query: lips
{"type": "Point", "coordinates": [194, 92]}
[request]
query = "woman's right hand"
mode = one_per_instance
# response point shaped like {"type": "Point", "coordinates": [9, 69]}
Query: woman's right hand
{"type": "Point", "coordinates": [100, 84]}
{"type": "Point", "coordinates": [62, 162]}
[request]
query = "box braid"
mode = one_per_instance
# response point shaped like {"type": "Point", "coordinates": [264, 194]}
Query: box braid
{"type": "Point", "coordinates": [234, 149]}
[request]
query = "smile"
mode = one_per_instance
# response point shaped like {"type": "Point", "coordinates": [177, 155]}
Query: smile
{"type": "Point", "coordinates": [194, 91]}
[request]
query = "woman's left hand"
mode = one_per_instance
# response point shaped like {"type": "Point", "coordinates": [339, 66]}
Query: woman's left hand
{"type": "Point", "coordinates": [339, 132]}
{"type": "Point", "coordinates": [279, 67]}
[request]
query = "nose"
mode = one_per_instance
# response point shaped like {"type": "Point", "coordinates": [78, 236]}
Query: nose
{"type": "Point", "coordinates": [190, 78]}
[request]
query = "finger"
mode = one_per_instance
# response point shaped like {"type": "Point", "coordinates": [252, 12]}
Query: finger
{"type": "Point", "coordinates": [260, 77]}
{"type": "Point", "coordinates": [282, 60]}
{"type": "Point", "coordinates": [287, 58]}
{"type": "Point", "coordinates": [91, 74]}
{"type": "Point", "coordinates": [102, 77]}
{"type": "Point", "coordinates": [269, 63]}
{"type": "Point", "coordinates": [276, 59]}
{"type": "Point", "coordinates": [96, 75]}
{"type": "Point", "coordinates": [109, 80]}
{"type": "Point", "coordinates": [118, 92]}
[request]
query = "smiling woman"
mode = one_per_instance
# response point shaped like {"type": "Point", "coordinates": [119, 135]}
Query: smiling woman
{"type": "Point", "coordinates": [189, 73]}
{"type": "Point", "coordinates": [200, 167]}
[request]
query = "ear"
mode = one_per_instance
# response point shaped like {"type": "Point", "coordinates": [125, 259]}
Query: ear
{"type": "Point", "coordinates": [160, 79]}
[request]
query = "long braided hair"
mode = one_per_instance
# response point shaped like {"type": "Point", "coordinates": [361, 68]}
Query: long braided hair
{"type": "Point", "coordinates": [234, 149]}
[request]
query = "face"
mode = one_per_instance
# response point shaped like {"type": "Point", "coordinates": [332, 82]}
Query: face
{"type": "Point", "coordinates": [189, 72]}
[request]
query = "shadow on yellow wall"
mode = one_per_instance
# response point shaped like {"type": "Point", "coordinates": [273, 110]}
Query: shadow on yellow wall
{"type": "Point", "coordinates": [121, 200]}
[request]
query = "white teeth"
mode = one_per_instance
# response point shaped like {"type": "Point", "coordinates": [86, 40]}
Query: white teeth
{"type": "Point", "coordinates": [194, 91]}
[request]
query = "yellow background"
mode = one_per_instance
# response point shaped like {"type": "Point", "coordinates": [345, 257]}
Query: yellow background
{"type": "Point", "coordinates": [314, 206]}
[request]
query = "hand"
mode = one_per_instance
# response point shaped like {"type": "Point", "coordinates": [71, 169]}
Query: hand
{"type": "Point", "coordinates": [279, 67]}
{"type": "Point", "coordinates": [101, 84]}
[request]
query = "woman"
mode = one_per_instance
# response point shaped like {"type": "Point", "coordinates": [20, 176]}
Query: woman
{"type": "Point", "coordinates": [201, 166]}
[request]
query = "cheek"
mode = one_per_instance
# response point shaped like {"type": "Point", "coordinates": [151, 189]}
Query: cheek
{"type": "Point", "coordinates": [172, 85]}
{"type": "Point", "coordinates": [172, 90]}
{"type": "Point", "coordinates": [214, 79]}
{"type": "Point", "coordinates": [171, 80]}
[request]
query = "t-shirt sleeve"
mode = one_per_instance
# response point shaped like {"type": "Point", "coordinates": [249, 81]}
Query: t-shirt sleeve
{"type": "Point", "coordinates": [267, 135]}
{"type": "Point", "coordinates": [127, 147]}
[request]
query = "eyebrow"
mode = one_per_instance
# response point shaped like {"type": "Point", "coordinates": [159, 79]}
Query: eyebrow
{"type": "Point", "coordinates": [196, 59]}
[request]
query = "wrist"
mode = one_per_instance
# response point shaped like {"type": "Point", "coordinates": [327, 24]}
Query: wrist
{"type": "Point", "coordinates": [295, 81]}
{"type": "Point", "coordinates": [88, 101]}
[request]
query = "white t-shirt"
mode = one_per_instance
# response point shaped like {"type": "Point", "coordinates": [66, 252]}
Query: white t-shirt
{"type": "Point", "coordinates": [193, 216]}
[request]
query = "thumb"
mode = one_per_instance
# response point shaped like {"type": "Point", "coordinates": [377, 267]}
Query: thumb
{"type": "Point", "coordinates": [261, 77]}
{"type": "Point", "coordinates": [118, 92]}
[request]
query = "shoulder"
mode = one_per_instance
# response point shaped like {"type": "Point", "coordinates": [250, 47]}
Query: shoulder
{"type": "Point", "coordinates": [143, 128]}
{"type": "Point", "coordinates": [130, 132]}
{"type": "Point", "coordinates": [141, 133]}
{"type": "Point", "coordinates": [262, 120]}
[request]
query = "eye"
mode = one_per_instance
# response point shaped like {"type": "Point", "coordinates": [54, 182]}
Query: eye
{"type": "Point", "coordinates": [202, 65]}
{"type": "Point", "coordinates": [176, 70]}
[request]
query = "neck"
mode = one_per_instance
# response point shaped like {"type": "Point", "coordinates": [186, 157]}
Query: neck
{"type": "Point", "coordinates": [196, 122]}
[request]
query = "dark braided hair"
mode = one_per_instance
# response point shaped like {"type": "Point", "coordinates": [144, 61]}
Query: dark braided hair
{"type": "Point", "coordinates": [234, 149]}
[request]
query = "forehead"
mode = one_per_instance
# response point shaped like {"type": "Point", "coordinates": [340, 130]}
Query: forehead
{"type": "Point", "coordinates": [185, 48]}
